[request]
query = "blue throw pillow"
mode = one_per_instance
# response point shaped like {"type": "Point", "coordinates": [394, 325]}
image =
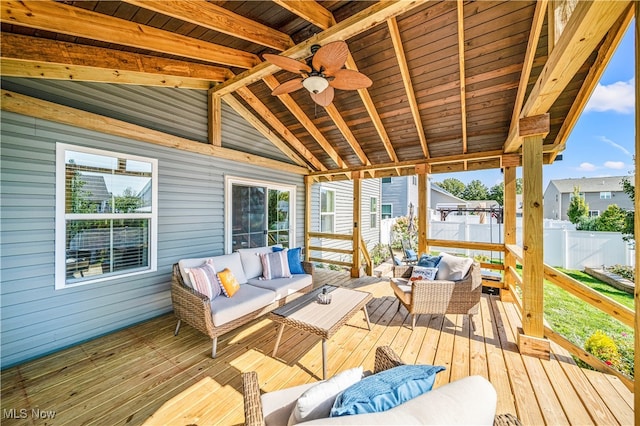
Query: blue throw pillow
{"type": "Point", "coordinates": [294, 258]}
{"type": "Point", "coordinates": [385, 390]}
{"type": "Point", "coordinates": [429, 261]}
{"type": "Point", "coordinates": [410, 254]}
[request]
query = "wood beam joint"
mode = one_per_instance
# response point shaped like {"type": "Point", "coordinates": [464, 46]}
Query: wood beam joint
{"type": "Point", "coordinates": [537, 125]}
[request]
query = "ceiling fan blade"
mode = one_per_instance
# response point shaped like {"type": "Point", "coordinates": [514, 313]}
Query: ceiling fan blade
{"type": "Point", "coordinates": [323, 98]}
{"type": "Point", "coordinates": [350, 80]}
{"type": "Point", "coordinates": [287, 63]}
{"type": "Point", "coordinates": [331, 57]}
{"type": "Point", "coordinates": [288, 87]}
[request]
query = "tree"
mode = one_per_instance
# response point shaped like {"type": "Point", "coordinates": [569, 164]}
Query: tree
{"type": "Point", "coordinates": [578, 207]}
{"type": "Point", "coordinates": [452, 185]}
{"type": "Point", "coordinates": [612, 219]}
{"type": "Point", "coordinates": [476, 190]}
{"type": "Point", "coordinates": [629, 228]}
{"type": "Point", "coordinates": [497, 193]}
{"type": "Point", "coordinates": [128, 202]}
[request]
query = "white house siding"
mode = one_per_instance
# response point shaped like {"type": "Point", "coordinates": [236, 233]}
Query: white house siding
{"type": "Point", "coordinates": [344, 216]}
{"type": "Point", "coordinates": [35, 318]}
{"type": "Point", "coordinates": [399, 194]}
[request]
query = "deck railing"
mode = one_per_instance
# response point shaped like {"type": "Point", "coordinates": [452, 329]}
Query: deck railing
{"type": "Point", "coordinates": [364, 253]}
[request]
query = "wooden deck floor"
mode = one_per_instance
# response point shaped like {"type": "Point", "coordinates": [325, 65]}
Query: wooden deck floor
{"type": "Point", "coordinates": [123, 378]}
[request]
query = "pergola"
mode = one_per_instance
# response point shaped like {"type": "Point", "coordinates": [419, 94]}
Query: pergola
{"type": "Point", "coordinates": [457, 86]}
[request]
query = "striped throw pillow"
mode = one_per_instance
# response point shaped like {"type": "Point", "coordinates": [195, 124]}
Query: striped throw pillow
{"type": "Point", "coordinates": [204, 279]}
{"type": "Point", "coordinates": [275, 265]}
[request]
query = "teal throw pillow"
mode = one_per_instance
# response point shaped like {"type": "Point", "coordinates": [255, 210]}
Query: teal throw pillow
{"type": "Point", "coordinates": [429, 261]}
{"type": "Point", "coordinates": [293, 256]}
{"type": "Point", "coordinates": [385, 390]}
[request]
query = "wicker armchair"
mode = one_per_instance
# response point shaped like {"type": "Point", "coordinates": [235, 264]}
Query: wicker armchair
{"type": "Point", "coordinates": [385, 359]}
{"type": "Point", "coordinates": [437, 296]}
{"type": "Point", "coordinates": [194, 308]}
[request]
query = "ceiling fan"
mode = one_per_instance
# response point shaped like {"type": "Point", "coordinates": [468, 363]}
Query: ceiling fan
{"type": "Point", "coordinates": [321, 74]}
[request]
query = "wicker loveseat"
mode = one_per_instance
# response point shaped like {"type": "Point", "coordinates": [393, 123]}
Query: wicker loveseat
{"type": "Point", "coordinates": [255, 297]}
{"type": "Point", "coordinates": [471, 400]}
{"type": "Point", "coordinates": [437, 296]}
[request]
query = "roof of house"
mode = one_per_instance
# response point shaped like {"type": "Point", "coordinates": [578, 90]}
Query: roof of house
{"type": "Point", "coordinates": [441, 190]}
{"type": "Point", "coordinates": [596, 184]}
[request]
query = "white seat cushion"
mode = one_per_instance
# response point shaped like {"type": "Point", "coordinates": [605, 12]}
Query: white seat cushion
{"type": "Point", "coordinates": [453, 268]}
{"type": "Point", "coordinates": [234, 263]}
{"type": "Point", "coordinates": [251, 260]}
{"type": "Point", "coordinates": [283, 286]}
{"type": "Point", "coordinates": [247, 299]}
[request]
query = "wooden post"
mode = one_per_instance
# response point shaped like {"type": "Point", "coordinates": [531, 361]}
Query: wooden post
{"type": "Point", "coordinates": [308, 183]}
{"type": "Point", "coordinates": [531, 341]}
{"type": "Point", "coordinates": [422, 171]}
{"type": "Point", "coordinates": [636, 219]}
{"type": "Point", "coordinates": [215, 120]}
{"type": "Point", "coordinates": [357, 205]}
{"type": "Point", "coordinates": [509, 222]}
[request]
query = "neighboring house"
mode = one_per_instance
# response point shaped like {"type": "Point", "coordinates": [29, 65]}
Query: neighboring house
{"type": "Point", "coordinates": [94, 191]}
{"type": "Point", "coordinates": [399, 192]}
{"type": "Point", "coordinates": [598, 193]}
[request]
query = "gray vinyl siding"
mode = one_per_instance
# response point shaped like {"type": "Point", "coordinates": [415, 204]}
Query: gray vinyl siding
{"type": "Point", "coordinates": [396, 193]}
{"type": "Point", "coordinates": [35, 318]}
{"type": "Point", "coordinates": [552, 203]}
{"type": "Point", "coordinates": [344, 216]}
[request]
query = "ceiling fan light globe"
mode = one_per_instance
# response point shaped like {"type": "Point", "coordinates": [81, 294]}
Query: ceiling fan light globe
{"type": "Point", "coordinates": [315, 84]}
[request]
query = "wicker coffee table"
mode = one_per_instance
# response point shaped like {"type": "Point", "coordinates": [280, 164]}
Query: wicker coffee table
{"type": "Point", "coordinates": [305, 313]}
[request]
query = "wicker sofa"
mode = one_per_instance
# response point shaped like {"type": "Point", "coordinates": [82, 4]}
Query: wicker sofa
{"type": "Point", "coordinates": [471, 400]}
{"type": "Point", "coordinates": [255, 297]}
{"type": "Point", "coordinates": [437, 296]}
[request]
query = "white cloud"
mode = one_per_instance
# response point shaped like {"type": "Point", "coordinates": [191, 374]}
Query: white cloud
{"type": "Point", "coordinates": [586, 167]}
{"type": "Point", "coordinates": [618, 97]}
{"type": "Point", "coordinates": [617, 146]}
{"type": "Point", "coordinates": [617, 165]}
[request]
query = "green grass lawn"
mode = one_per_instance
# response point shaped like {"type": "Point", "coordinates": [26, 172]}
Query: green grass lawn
{"type": "Point", "coordinates": [577, 320]}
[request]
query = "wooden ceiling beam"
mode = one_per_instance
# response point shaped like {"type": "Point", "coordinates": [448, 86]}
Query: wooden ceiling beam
{"type": "Point", "coordinates": [530, 55]}
{"type": "Point", "coordinates": [589, 23]}
{"type": "Point", "coordinates": [463, 85]}
{"type": "Point", "coordinates": [332, 111]}
{"type": "Point", "coordinates": [408, 86]}
{"type": "Point", "coordinates": [606, 51]}
{"type": "Point", "coordinates": [343, 30]}
{"type": "Point", "coordinates": [213, 17]}
{"type": "Point", "coordinates": [269, 117]}
{"type": "Point", "coordinates": [75, 21]}
{"type": "Point", "coordinates": [315, 13]}
{"type": "Point", "coordinates": [245, 113]}
{"type": "Point", "coordinates": [306, 122]}
{"type": "Point", "coordinates": [31, 57]}
{"type": "Point", "coordinates": [310, 11]}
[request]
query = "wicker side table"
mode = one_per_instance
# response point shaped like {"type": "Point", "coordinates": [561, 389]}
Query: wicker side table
{"type": "Point", "coordinates": [306, 314]}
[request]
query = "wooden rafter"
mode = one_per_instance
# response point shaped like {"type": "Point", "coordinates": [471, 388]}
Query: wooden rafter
{"type": "Point", "coordinates": [245, 113]}
{"type": "Point", "coordinates": [343, 30]}
{"type": "Point", "coordinates": [310, 11]}
{"type": "Point", "coordinates": [463, 87]}
{"type": "Point", "coordinates": [297, 112]}
{"type": "Point", "coordinates": [333, 112]}
{"type": "Point", "coordinates": [530, 54]}
{"type": "Point", "coordinates": [31, 57]}
{"type": "Point", "coordinates": [586, 28]}
{"type": "Point", "coordinates": [606, 51]}
{"type": "Point", "coordinates": [37, 108]}
{"type": "Point", "coordinates": [268, 116]}
{"type": "Point", "coordinates": [209, 15]}
{"type": "Point", "coordinates": [394, 31]}
{"type": "Point", "coordinates": [75, 21]}
{"type": "Point", "coordinates": [315, 13]}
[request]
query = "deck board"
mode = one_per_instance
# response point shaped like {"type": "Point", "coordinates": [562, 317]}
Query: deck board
{"type": "Point", "coordinates": [127, 376]}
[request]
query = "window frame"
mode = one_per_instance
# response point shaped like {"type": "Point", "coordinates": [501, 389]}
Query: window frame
{"type": "Point", "coordinates": [603, 195]}
{"type": "Point", "coordinates": [382, 213]}
{"type": "Point", "coordinates": [373, 212]}
{"type": "Point", "coordinates": [62, 216]}
{"type": "Point", "coordinates": [332, 213]}
{"type": "Point", "coordinates": [593, 213]}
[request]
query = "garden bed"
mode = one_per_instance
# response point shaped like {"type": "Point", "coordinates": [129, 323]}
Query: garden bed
{"type": "Point", "coordinates": [612, 279]}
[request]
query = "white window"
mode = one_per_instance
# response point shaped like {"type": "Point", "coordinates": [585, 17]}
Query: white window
{"type": "Point", "coordinates": [258, 214]}
{"type": "Point", "coordinates": [580, 194]}
{"type": "Point", "coordinates": [373, 211]}
{"type": "Point", "coordinates": [594, 213]}
{"type": "Point", "coordinates": [386, 180]}
{"type": "Point", "coordinates": [387, 211]}
{"type": "Point", "coordinates": [106, 215]}
{"type": "Point", "coordinates": [327, 210]}
{"type": "Point", "coordinates": [606, 195]}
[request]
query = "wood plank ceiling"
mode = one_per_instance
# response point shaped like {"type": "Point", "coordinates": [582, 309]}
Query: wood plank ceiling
{"type": "Point", "coordinates": [450, 79]}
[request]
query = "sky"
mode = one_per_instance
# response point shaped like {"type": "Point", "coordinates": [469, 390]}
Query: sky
{"type": "Point", "coordinates": [602, 141]}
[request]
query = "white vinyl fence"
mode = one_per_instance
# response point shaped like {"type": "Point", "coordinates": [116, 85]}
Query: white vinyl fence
{"type": "Point", "coordinates": [563, 247]}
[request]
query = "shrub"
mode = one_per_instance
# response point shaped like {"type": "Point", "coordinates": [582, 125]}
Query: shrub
{"type": "Point", "coordinates": [400, 232]}
{"type": "Point", "coordinates": [379, 253]}
{"type": "Point", "coordinates": [604, 348]}
{"type": "Point", "coordinates": [623, 270]}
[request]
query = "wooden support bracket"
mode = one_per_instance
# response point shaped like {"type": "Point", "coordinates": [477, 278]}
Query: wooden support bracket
{"type": "Point", "coordinates": [534, 346]}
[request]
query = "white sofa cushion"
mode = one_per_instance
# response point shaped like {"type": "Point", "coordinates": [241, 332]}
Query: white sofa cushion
{"type": "Point", "coordinates": [283, 286]}
{"type": "Point", "coordinates": [185, 264]}
{"type": "Point", "coordinates": [277, 406]}
{"type": "Point", "coordinates": [234, 263]}
{"type": "Point", "coordinates": [453, 268]}
{"type": "Point", "coordinates": [468, 401]}
{"type": "Point", "coordinates": [247, 299]}
{"type": "Point", "coordinates": [251, 260]}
